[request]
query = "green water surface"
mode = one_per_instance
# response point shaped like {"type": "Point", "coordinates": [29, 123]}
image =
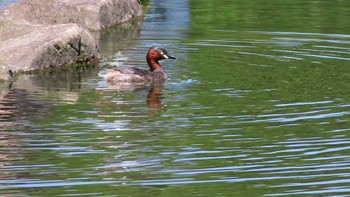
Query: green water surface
{"type": "Point", "coordinates": [256, 104]}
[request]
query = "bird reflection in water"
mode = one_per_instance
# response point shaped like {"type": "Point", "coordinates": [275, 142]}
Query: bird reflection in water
{"type": "Point", "coordinates": [154, 99]}
{"type": "Point", "coordinates": [154, 95]}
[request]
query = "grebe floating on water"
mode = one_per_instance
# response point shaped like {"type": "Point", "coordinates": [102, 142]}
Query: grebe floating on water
{"type": "Point", "coordinates": [133, 75]}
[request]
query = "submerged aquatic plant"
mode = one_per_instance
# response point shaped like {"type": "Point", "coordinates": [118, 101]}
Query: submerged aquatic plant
{"type": "Point", "coordinates": [144, 2]}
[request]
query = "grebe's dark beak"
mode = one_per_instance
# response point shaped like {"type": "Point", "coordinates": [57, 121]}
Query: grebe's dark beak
{"type": "Point", "coordinates": [169, 57]}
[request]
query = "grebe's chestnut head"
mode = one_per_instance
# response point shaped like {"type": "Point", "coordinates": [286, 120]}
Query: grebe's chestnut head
{"type": "Point", "coordinates": [155, 54]}
{"type": "Point", "coordinates": [158, 53]}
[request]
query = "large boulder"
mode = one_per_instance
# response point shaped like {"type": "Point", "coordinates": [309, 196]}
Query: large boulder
{"type": "Point", "coordinates": [26, 47]}
{"type": "Point", "coordinates": [36, 34]}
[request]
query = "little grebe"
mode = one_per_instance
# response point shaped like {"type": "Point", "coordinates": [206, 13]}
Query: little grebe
{"type": "Point", "coordinates": [156, 73]}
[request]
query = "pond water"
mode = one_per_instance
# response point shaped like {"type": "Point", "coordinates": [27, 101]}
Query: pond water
{"type": "Point", "coordinates": [4, 3]}
{"type": "Point", "coordinates": [257, 104]}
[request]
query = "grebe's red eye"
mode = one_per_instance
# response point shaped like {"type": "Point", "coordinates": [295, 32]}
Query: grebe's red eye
{"type": "Point", "coordinates": [154, 54]}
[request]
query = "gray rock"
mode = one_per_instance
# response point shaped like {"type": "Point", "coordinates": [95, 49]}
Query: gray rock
{"type": "Point", "coordinates": [104, 13]}
{"type": "Point", "coordinates": [90, 14]}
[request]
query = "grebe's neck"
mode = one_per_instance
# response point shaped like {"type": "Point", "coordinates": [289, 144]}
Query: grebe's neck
{"type": "Point", "coordinates": [153, 64]}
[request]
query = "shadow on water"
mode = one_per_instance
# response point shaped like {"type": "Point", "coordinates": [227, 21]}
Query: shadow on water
{"type": "Point", "coordinates": [118, 37]}
{"type": "Point", "coordinates": [24, 101]}
{"type": "Point", "coordinates": [28, 97]}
